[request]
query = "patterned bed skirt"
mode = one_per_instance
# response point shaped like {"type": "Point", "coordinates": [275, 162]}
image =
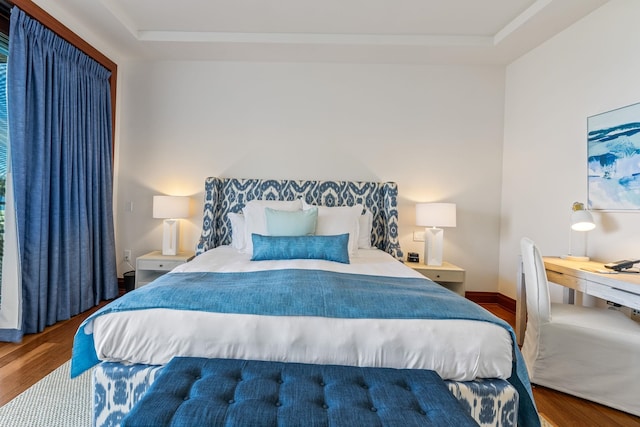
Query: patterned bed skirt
{"type": "Point", "coordinates": [117, 388]}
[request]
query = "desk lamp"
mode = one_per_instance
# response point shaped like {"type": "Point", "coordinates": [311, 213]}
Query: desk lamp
{"type": "Point", "coordinates": [171, 209]}
{"type": "Point", "coordinates": [581, 222]}
{"type": "Point", "coordinates": [431, 216]}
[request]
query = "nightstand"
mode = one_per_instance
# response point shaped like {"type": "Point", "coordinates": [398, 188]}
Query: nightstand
{"type": "Point", "coordinates": [153, 265]}
{"type": "Point", "coordinates": [448, 275]}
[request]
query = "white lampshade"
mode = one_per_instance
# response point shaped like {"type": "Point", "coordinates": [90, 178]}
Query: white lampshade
{"type": "Point", "coordinates": [170, 208]}
{"type": "Point", "coordinates": [581, 222]}
{"type": "Point", "coordinates": [435, 215]}
{"type": "Point", "coordinates": [581, 219]}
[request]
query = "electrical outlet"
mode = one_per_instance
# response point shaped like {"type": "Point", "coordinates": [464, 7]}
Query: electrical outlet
{"type": "Point", "coordinates": [635, 315]}
{"type": "Point", "coordinates": [418, 236]}
{"type": "Point", "coordinates": [127, 255]}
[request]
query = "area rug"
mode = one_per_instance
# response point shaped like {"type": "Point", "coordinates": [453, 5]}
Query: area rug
{"type": "Point", "coordinates": [54, 401]}
{"type": "Point", "coordinates": [544, 422]}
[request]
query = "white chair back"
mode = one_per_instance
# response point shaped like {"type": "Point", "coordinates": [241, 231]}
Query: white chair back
{"type": "Point", "coordinates": [536, 285]}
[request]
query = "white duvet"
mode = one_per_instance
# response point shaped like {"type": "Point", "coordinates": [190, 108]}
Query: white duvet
{"type": "Point", "coordinates": [457, 349]}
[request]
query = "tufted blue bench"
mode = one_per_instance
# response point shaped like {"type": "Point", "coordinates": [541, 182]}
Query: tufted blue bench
{"type": "Point", "coordinates": [229, 392]}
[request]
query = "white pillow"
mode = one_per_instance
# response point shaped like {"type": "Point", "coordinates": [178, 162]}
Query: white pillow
{"type": "Point", "coordinates": [237, 230]}
{"type": "Point", "coordinates": [339, 220]}
{"type": "Point", "coordinates": [365, 223]}
{"type": "Point", "coordinates": [255, 220]}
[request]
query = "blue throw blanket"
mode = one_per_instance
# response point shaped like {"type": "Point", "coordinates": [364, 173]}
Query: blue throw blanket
{"type": "Point", "coordinates": [305, 293]}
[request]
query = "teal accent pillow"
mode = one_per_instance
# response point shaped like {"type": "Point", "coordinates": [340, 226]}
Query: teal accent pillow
{"type": "Point", "coordinates": [291, 223]}
{"type": "Point", "coordinates": [330, 248]}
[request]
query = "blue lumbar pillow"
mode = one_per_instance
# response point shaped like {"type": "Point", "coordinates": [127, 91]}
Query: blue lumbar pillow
{"type": "Point", "coordinates": [330, 248]}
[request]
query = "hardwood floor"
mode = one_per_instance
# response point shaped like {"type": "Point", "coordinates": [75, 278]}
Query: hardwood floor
{"type": "Point", "coordinates": [22, 365]}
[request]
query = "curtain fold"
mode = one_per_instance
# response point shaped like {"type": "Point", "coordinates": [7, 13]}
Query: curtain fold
{"type": "Point", "coordinates": [61, 157]}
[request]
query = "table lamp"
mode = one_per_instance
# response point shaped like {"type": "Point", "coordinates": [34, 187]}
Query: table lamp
{"type": "Point", "coordinates": [431, 216]}
{"type": "Point", "coordinates": [171, 209]}
{"type": "Point", "coordinates": [581, 222]}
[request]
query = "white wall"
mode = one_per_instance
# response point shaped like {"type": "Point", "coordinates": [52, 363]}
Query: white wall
{"type": "Point", "coordinates": [590, 68]}
{"type": "Point", "coordinates": [435, 130]}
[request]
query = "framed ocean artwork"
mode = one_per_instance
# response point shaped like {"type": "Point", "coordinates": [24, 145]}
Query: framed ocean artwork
{"type": "Point", "coordinates": [613, 154]}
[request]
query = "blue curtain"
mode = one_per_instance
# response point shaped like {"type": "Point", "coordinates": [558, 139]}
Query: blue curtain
{"type": "Point", "coordinates": [61, 157]}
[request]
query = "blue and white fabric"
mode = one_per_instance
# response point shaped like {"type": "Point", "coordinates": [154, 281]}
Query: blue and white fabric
{"type": "Point", "coordinates": [117, 388]}
{"type": "Point", "coordinates": [488, 401]}
{"type": "Point", "coordinates": [225, 195]}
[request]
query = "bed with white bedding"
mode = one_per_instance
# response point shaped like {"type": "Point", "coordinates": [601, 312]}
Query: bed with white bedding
{"type": "Point", "coordinates": [372, 311]}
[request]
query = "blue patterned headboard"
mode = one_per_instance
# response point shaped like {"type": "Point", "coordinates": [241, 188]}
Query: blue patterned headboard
{"type": "Point", "coordinates": [224, 195]}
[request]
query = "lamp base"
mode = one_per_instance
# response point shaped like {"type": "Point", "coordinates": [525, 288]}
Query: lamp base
{"type": "Point", "coordinates": [576, 258]}
{"type": "Point", "coordinates": [170, 237]}
{"type": "Point", "coordinates": [433, 246]}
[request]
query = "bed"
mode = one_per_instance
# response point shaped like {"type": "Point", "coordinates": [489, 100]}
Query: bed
{"type": "Point", "coordinates": [366, 310]}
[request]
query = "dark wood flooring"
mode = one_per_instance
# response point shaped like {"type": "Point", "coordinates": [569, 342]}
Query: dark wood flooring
{"type": "Point", "coordinates": [22, 365]}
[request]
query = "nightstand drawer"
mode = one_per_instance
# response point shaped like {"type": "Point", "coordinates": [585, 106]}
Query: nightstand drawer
{"type": "Point", "coordinates": [447, 275]}
{"type": "Point", "coordinates": [160, 265]}
{"type": "Point", "coordinates": [444, 275]}
{"type": "Point", "coordinates": [153, 265]}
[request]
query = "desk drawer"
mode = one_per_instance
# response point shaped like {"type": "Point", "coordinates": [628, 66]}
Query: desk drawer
{"type": "Point", "coordinates": [444, 276]}
{"type": "Point", "coordinates": [567, 280]}
{"type": "Point", "coordinates": [160, 265]}
{"type": "Point", "coordinates": [619, 296]}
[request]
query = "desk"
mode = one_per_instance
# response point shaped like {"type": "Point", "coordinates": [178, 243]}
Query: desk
{"type": "Point", "coordinates": [621, 288]}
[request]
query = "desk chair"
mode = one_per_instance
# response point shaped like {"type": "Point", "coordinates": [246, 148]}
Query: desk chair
{"type": "Point", "coordinates": [592, 353]}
